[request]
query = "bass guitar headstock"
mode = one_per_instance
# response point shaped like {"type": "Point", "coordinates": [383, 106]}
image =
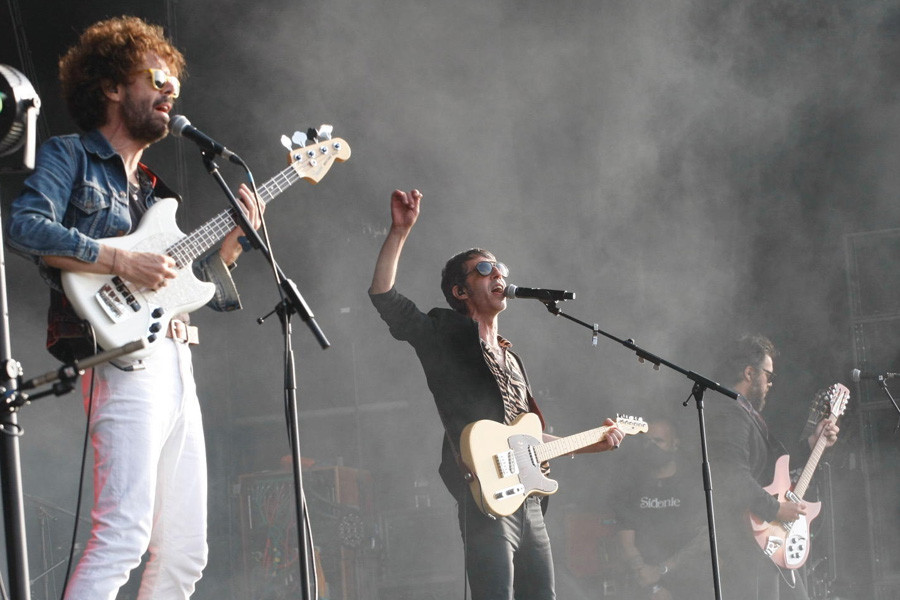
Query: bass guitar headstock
{"type": "Point", "coordinates": [312, 154]}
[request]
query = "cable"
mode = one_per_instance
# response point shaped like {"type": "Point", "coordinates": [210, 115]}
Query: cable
{"type": "Point", "coordinates": [84, 449]}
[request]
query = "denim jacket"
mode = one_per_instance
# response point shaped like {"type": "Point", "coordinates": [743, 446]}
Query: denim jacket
{"type": "Point", "coordinates": [77, 194]}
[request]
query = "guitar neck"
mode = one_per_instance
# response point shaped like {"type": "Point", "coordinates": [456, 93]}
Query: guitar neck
{"type": "Point", "coordinates": [812, 463]}
{"type": "Point", "coordinates": [569, 444]}
{"type": "Point", "coordinates": [198, 242]}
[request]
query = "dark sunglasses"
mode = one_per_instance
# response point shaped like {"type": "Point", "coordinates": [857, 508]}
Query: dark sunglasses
{"type": "Point", "coordinates": [159, 78]}
{"type": "Point", "coordinates": [486, 267]}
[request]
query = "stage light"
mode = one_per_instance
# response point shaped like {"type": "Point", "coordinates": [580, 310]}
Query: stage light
{"type": "Point", "coordinates": [19, 108]}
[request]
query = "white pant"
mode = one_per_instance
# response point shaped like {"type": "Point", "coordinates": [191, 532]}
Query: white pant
{"type": "Point", "coordinates": [149, 480]}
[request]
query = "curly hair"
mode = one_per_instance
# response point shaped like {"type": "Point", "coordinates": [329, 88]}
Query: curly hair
{"type": "Point", "coordinates": [108, 52]}
{"type": "Point", "coordinates": [454, 274]}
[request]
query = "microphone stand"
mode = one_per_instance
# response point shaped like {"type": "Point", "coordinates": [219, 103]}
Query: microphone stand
{"type": "Point", "coordinates": [14, 397]}
{"type": "Point", "coordinates": [10, 460]}
{"type": "Point", "coordinates": [700, 385]}
{"type": "Point", "coordinates": [292, 302]}
{"type": "Point", "coordinates": [882, 383]}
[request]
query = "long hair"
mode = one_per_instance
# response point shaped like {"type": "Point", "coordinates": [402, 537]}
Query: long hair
{"type": "Point", "coordinates": [108, 53]}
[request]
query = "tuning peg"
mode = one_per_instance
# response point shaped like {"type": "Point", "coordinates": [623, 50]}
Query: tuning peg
{"type": "Point", "coordinates": [299, 138]}
{"type": "Point", "coordinates": [324, 131]}
{"type": "Point", "coordinates": [312, 134]}
{"type": "Point", "coordinates": [286, 142]}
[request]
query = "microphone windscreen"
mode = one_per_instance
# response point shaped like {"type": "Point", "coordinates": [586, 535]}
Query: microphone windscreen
{"type": "Point", "coordinates": [177, 123]}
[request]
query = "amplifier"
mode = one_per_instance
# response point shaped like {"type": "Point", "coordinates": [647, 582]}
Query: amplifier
{"type": "Point", "coordinates": [339, 500]}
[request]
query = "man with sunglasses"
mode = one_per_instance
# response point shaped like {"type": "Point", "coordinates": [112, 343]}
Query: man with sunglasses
{"type": "Point", "coordinates": [120, 81]}
{"type": "Point", "coordinates": [473, 375]}
{"type": "Point", "coordinates": [742, 454]}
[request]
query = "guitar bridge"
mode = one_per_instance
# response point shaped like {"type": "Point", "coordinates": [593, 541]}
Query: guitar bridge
{"type": "Point", "coordinates": [506, 464]}
{"type": "Point", "coordinates": [515, 490]}
{"type": "Point", "coordinates": [115, 299]}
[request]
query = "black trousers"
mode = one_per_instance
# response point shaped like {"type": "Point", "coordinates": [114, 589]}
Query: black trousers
{"type": "Point", "coordinates": [507, 558]}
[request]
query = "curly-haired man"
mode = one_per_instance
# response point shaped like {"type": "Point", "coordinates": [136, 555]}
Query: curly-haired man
{"type": "Point", "coordinates": [120, 81]}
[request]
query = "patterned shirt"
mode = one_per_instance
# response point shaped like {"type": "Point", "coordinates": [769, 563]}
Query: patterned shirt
{"type": "Point", "coordinates": [509, 379]}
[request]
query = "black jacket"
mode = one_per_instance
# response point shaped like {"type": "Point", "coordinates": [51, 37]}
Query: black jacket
{"type": "Point", "coordinates": [460, 380]}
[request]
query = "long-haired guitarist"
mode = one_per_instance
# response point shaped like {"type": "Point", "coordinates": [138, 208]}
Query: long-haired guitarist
{"type": "Point", "coordinates": [742, 455]}
{"type": "Point", "coordinates": [120, 81]}
{"type": "Point", "coordinates": [473, 375]}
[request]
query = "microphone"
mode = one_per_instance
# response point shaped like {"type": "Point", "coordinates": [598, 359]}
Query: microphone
{"type": "Point", "coordinates": [514, 291]}
{"type": "Point", "coordinates": [179, 126]}
{"type": "Point", "coordinates": [856, 375]}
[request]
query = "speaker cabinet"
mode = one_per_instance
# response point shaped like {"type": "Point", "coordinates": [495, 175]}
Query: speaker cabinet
{"type": "Point", "coordinates": [873, 281]}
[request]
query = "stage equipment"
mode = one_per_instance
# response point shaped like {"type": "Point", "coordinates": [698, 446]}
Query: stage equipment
{"type": "Point", "coordinates": [19, 108]}
{"type": "Point", "coordinates": [342, 515]}
{"type": "Point", "coordinates": [872, 565]}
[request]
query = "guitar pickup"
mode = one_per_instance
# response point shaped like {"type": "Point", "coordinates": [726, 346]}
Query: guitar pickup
{"type": "Point", "coordinates": [123, 289]}
{"type": "Point", "coordinates": [772, 545]}
{"type": "Point", "coordinates": [506, 464]}
{"type": "Point", "coordinates": [114, 298]}
{"type": "Point", "coordinates": [516, 490]}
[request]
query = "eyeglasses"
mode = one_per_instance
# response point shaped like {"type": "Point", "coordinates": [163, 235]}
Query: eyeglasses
{"type": "Point", "coordinates": [486, 267]}
{"type": "Point", "coordinates": [770, 376]}
{"type": "Point", "coordinates": [159, 78]}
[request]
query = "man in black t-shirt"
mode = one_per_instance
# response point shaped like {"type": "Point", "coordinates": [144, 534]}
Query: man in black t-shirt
{"type": "Point", "coordinates": [661, 520]}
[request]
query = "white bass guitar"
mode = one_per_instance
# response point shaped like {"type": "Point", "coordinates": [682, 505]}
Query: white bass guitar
{"type": "Point", "coordinates": [121, 313]}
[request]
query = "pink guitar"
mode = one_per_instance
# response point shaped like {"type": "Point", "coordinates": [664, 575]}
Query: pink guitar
{"type": "Point", "coordinates": [787, 544]}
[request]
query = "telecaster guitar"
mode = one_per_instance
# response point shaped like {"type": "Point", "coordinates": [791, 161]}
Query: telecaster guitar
{"type": "Point", "coordinates": [121, 312]}
{"type": "Point", "coordinates": [505, 460]}
{"type": "Point", "coordinates": [787, 544]}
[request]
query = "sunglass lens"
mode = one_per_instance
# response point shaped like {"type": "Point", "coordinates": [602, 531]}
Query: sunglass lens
{"type": "Point", "coordinates": [484, 268]}
{"type": "Point", "coordinates": [159, 78]}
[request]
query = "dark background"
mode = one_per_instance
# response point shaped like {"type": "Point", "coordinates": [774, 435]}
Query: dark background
{"type": "Point", "coordinates": [692, 169]}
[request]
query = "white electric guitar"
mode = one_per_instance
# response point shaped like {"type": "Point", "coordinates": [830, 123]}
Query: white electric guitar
{"type": "Point", "coordinates": [121, 312]}
{"type": "Point", "coordinates": [505, 460]}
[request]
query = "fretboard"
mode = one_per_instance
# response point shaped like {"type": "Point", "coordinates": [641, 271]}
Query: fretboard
{"type": "Point", "coordinates": [569, 444]}
{"type": "Point", "coordinates": [198, 242]}
{"type": "Point", "coordinates": [812, 463]}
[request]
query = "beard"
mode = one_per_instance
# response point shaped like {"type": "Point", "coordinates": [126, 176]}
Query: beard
{"type": "Point", "coordinates": [757, 397]}
{"type": "Point", "coordinates": [142, 124]}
